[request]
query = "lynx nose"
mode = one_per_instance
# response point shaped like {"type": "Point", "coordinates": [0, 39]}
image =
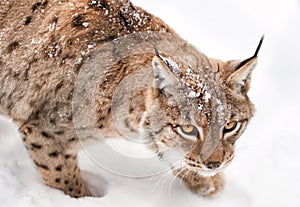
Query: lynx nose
{"type": "Point", "coordinates": [213, 165]}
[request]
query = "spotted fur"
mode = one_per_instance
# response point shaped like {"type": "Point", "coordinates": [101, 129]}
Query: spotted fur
{"type": "Point", "coordinates": [43, 45]}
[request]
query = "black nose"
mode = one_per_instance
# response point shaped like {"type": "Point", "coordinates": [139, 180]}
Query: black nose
{"type": "Point", "coordinates": [213, 165]}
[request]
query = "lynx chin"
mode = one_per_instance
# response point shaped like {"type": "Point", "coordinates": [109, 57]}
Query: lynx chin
{"type": "Point", "coordinates": [191, 110]}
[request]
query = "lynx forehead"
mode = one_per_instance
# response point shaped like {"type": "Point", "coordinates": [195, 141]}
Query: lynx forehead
{"type": "Point", "coordinates": [203, 88]}
{"type": "Point", "coordinates": [191, 111]}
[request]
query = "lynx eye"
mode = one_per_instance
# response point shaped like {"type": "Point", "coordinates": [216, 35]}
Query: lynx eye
{"type": "Point", "coordinates": [189, 130]}
{"type": "Point", "coordinates": [231, 126]}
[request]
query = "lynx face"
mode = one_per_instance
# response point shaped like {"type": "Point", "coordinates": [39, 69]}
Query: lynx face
{"type": "Point", "coordinates": [195, 114]}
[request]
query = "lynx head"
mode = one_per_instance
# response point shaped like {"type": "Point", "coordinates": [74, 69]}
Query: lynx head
{"type": "Point", "coordinates": [195, 113]}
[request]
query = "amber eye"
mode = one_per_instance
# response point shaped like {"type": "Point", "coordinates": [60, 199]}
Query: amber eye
{"type": "Point", "coordinates": [189, 130]}
{"type": "Point", "coordinates": [229, 127]}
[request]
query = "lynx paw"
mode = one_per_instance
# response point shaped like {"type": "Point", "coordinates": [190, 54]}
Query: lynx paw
{"type": "Point", "coordinates": [209, 187]}
{"type": "Point", "coordinates": [205, 186]}
{"type": "Point", "coordinates": [80, 192]}
{"type": "Point", "coordinates": [75, 190]}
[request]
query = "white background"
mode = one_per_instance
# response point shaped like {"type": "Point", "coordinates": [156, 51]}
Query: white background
{"type": "Point", "coordinates": [265, 171]}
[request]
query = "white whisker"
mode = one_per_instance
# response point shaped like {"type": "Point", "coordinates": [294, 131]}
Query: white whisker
{"type": "Point", "coordinates": [162, 179]}
{"type": "Point", "coordinates": [174, 178]}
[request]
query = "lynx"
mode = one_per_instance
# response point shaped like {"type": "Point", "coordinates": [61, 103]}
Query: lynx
{"type": "Point", "coordinates": [191, 113]}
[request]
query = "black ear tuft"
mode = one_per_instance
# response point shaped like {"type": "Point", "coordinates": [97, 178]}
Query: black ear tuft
{"type": "Point", "coordinates": [254, 56]}
{"type": "Point", "coordinates": [259, 46]}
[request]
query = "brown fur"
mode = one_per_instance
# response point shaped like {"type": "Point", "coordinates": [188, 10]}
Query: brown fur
{"type": "Point", "coordinates": [42, 48]}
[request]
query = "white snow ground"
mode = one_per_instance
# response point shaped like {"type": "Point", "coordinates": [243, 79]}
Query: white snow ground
{"type": "Point", "coordinates": [265, 171]}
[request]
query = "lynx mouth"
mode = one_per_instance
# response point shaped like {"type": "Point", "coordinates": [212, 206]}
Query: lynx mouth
{"type": "Point", "coordinates": [203, 171]}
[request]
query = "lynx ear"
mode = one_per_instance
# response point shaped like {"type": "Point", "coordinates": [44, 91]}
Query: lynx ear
{"type": "Point", "coordinates": [163, 76]}
{"type": "Point", "coordinates": [240, 79]}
